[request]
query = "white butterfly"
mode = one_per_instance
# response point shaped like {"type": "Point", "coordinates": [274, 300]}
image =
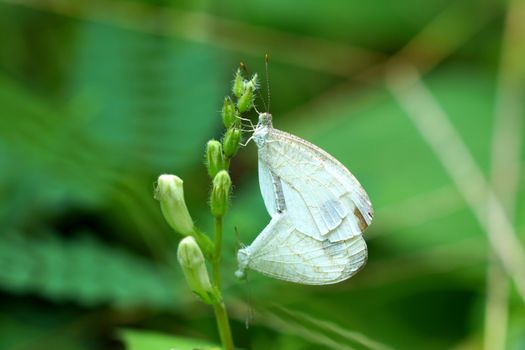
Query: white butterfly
{"type": "Point", "coordinates": [318, 208]}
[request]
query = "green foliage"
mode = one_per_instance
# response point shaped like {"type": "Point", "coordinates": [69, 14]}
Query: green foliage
{"type": "Point", "coordinates": [141, 340]}
{"type": "Point", "coordinates": [80, 151]}
{"type": "Point", "coordinates": [82, 270]}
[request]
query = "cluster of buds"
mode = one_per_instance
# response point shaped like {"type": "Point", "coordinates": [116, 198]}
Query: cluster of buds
{"type": "Point", "coordinates": [218, 154]}
{"type": "Point", "coordinates": [244, 92]}
{"type": "Point", "coordinates": [170, 193]}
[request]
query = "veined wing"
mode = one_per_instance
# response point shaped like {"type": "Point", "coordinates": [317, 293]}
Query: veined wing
{"type": "Point", "coordinates": [323, 199]}
{"type": "Point", "coordinates": [282, 252]}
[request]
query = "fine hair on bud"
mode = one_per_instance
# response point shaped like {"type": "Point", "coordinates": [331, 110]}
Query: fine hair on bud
{"type": "Point", "coordinates": [232, 141]}
{"type": "Point", "coordinates": [245, 102]}
{"type": "Point", "coordinates": [253, 82]}
{"type": "Point", "coordinates": [220, 193]}
{"type": "Point", "coordinates": [238, 84]}
{"type": "Point", "coordinates": [229, 117]}
{"type": "Point", "coordinates": [214, 157]}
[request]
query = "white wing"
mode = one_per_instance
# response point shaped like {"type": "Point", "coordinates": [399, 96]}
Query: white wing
{"type": "Point", "coordinates": [282, 252]}
{"type": "Point", "coordinates": [323, 199]}
{"type": "Point", "coordinates": [270, 190]}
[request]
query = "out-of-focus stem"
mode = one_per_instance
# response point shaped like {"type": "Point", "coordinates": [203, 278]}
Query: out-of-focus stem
{"type": "Point", "coordinates": [505, 172]}
{"type": "Point", "coordinates": [223, 325]}
{"type": "Point", "coordinates": [217, 253]}
{"type": "Point", "coordinates": [221, 315]}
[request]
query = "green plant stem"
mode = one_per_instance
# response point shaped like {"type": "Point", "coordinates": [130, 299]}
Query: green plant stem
{"type": "Point", "coordinates": [217, 253]}
{"type": "Point", "coordinates": [221, 315]}
{"type": "Point", "coordinates": [223, 324]}
{"type": "Point", "coordinates": [204, 243]}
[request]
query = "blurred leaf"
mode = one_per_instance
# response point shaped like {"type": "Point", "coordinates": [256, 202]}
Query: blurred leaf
{"type": "Point", "coordinates": [143, 340]}
{"type": "Point", "coordinates": [82, 270]}
{"type": "Point", "coordinates": [29, 323]}
{"type": "Point", "coordinates": [153, 99]}
{"type": "Point", "coordinates": [139, 105]}
{"type": "Point", "coordinates": [318, 331]}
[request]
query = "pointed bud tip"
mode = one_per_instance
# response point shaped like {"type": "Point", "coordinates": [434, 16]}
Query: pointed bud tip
{"type": "Point", "coordinates": [220, 193]}
{"type": "Point", "coordinates": [238, 84]}
{"type": "Point", "coordinates": [222, 179]}
{"type": "Point", "coordinates": [229, 117]}
{"type": "Point", "coordinates": [253, 82]}
{"type": "Point", "coordinates": [214, 157]}
{"type": "Point", "coordinates": [189, 253]}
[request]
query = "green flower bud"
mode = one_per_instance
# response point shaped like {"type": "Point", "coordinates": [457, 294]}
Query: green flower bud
{"type": "Point", "coordinates": [229, 117]}
{"type": "Point", "coordinates": [214, 157]}
{"type": "Point", "coordinates": [220, 193]}
{"type": "Point", "coordinates": [170, 194]}
{"type": "Point", "coordinates": [238, 84]}
{"type": "Point", "coordinates": [253, 83]}
{"type": "Point", "coordinates": [232, 141]}
{"type": "Point", "coordinates": [192, 261]}
{"type": "Point", "coordinates": [245, 102]}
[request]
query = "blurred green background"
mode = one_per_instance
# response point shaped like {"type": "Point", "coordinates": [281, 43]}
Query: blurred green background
{"type": "Point", "coordinates": [97, 98]}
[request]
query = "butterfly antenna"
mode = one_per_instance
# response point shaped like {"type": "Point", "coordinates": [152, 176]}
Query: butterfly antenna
{"type": "Point", "coordinates": [245, 69]}
{"type": "Point", "coordinates": [262, 100]}
{"type": "Point", "coordinates": [266, 60]}
{"type": "Point", "coordinates": [238, 239]}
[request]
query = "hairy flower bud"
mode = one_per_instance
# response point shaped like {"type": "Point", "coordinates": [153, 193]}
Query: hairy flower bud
{"type": "Point", "coordinates": [253, 83]}
{"type": "Point", "coordinates": [214, 157]}
{"type": "Point", "coordinates": [229, 117]}
{"type": "Point", "coordinates": [220, 193]}
{"type": "Point", "coordinates": [192, 261]}
{"type": "Point", "coordinates": [232, 141]}
{"type": "Point", "coordinates": [238, 84]}
{"type": "Point", "coordinates": [170, 194]}
{"type": "Point", "coordinates": [245, 102]}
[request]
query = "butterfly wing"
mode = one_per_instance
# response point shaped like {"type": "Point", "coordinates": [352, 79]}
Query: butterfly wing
{"type": "Point", "coordinates": [271, 190]}
{"type": "Point", "coordinates": [283, 252]}
{"type": "Point", "coordinates": [323, 199]}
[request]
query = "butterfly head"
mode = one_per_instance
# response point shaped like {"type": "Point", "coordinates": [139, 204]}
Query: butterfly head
{"type": "Point", "coordinates": [242, 258]}
{"type": "Point", "coordinates": [263, 127]}
{"type": "Point", "coordinates": [265, 119]}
